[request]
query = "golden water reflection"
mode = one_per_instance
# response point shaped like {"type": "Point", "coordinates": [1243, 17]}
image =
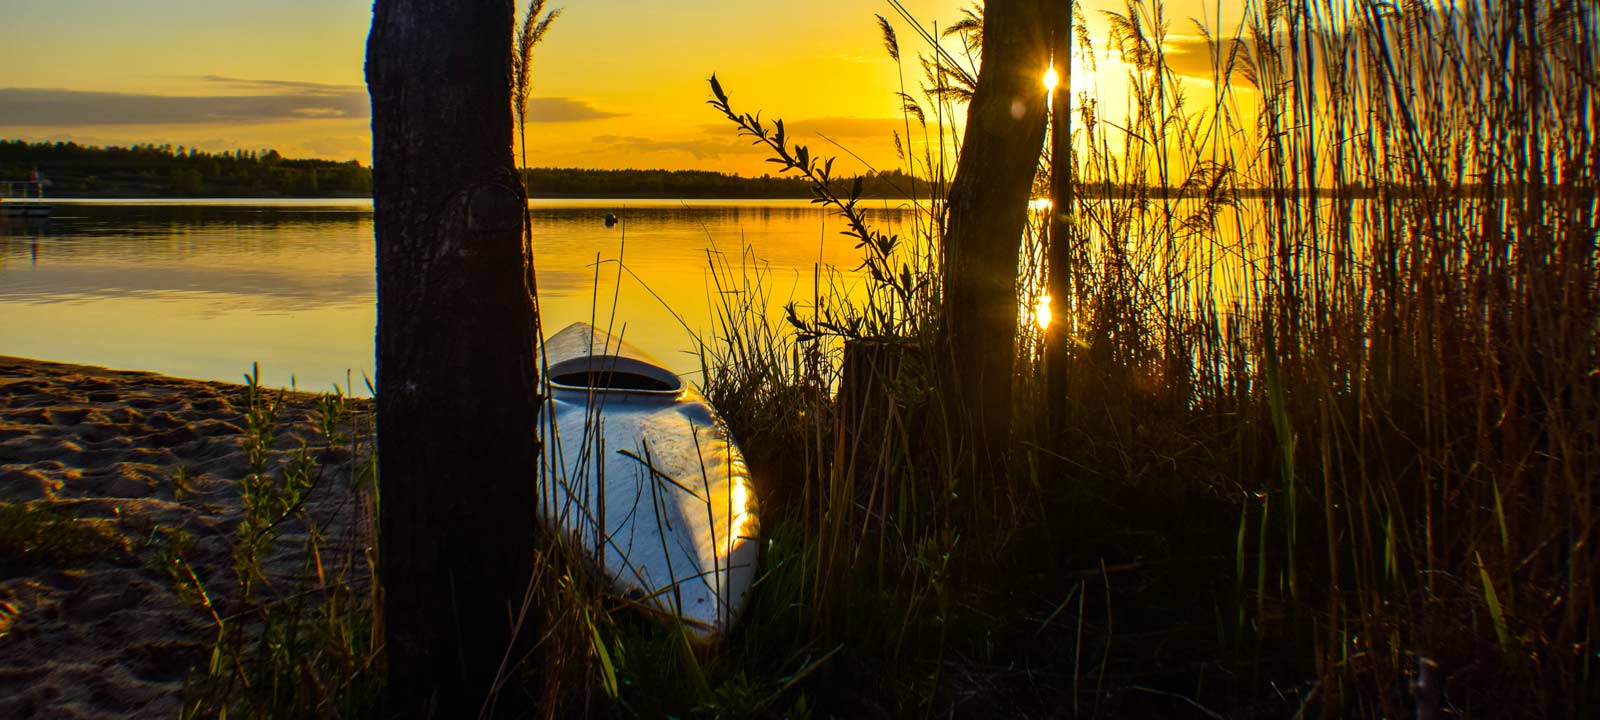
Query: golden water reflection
{"type": "Point", "coordinates": [203, 289]}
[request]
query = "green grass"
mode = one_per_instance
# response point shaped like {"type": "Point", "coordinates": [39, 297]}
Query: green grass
{"type": "Point", "coordinates": [305, 645]}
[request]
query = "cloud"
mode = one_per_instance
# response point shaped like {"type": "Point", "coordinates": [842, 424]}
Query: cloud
{"type": "Point", "coordinates": [561, 109]}
{"type": "Point", "coordinates": [239, 101]}
{"type": "Point", "coordinates": [1201, 58]}
{"type": "Point", "coordinates": [700, 148]}
{"type": "Point", "coordinates": [357, 147]}
{"type": "Point", "coordinates": [48, 107]}
{"type": "Point", "coordinates": [714, 141]}
{"type": "Point", "coordinates": [851, 127]}
{"type": "Point", "coordinates": [282, 86]}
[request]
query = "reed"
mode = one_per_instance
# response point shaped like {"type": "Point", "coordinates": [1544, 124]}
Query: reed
{"type": "Point", "coordinates": [1334, 330]}
{"type": "Point", "coordinates": [1332, 425]}
{"type": "Point", "coordinates": [1374, 287]}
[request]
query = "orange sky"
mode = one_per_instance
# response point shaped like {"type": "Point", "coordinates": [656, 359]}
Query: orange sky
{"type": "Point", "coordinates": [618, 83]}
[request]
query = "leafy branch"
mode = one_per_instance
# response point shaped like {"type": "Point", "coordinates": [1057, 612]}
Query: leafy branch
{"type": "Point", "coordinates": [891, 280]}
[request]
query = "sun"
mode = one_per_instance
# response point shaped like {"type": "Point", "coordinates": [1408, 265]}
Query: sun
{"type": "Point", "coordinates": [1051, 79]}
{"type": "Point", "coordinates": [1041, 312]}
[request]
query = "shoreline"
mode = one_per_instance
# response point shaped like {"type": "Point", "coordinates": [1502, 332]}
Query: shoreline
{"type": "Point", "coordinates": [119, 459]}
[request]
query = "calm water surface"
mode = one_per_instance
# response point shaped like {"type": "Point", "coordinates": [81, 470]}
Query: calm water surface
{"type": "Point", "coordinates": [204, 288]}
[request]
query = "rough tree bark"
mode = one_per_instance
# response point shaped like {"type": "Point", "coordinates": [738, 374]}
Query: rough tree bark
{"type": "Point", "coordinates": [988, 207]}
{"type": "Point", "coordinates": [457, 397]}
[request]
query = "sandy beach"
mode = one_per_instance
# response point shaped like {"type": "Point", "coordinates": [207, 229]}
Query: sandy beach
{"type": "Point", "coordinates": [127, 457]}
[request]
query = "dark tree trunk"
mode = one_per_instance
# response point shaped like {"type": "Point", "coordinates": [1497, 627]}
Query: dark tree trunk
{"type": "Point", "coordinates": [987, 210]}
{"type": "Point", "coordinates": [457, 398]}
{"type": "Point", "coordinates": [1058, 261]}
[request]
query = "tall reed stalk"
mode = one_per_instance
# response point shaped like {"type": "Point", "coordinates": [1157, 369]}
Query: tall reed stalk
{"type": "Point", "coordinates": [1334, 329]}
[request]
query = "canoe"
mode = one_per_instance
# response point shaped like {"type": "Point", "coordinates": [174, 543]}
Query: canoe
{"type": "Point", "coordinates": [639, 469]}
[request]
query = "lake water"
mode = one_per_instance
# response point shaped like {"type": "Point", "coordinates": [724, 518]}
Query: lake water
{"type": "Point", "coordinates": [203, 289]}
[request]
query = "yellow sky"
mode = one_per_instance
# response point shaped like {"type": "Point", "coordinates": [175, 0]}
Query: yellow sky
{"type": "Point", "coordinates": [619, 83]}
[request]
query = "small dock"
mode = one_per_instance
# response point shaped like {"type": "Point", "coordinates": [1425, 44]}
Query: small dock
{"type": "Point", "coordinates": [23, 199]}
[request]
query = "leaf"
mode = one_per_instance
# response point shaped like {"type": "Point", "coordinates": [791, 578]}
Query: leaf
{"type": "Point", "coordinates": [608, 673]}
{"type": "Point", "coordinates": [716, 89]}
{"type": "Point", "coordinates": [1501, 630]}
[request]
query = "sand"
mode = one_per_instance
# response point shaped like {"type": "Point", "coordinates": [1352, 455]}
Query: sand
{"type": "Point", "coordinates": [107, 635]}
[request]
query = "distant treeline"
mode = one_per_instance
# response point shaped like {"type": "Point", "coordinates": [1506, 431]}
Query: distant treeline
{"type": "Point", "coordinates": [74, 170]}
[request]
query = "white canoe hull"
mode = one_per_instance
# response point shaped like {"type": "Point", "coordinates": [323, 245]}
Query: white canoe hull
{"type": "Point", "coordinates": [639, 469]}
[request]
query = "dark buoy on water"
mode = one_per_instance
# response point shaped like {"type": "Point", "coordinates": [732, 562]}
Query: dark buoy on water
{"type": "Point", "coordinates": [610, 220]}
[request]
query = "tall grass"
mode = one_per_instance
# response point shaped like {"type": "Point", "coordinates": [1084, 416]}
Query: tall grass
{"type": "Point", "coordinates": [1335, 326]}
{"type": "Point", "coordinates": [1332, 427]}
{"type": "Point", "coordinates": [1371, 280]}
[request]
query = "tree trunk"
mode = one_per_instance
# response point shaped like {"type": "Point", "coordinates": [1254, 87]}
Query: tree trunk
{"type": "Point", "coordinates": [988, 207]}
{"type": "Point", "coordinates": [1058, 261]}
{"type": "Point", "coordinates": [457, 401]}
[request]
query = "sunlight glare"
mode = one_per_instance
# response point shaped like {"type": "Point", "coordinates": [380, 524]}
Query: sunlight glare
{"type": "Point", "coordinates": [1039, 204]}
{"type": "Point", "coordinates": [1041, 312]}
{"type": "Point", "coordinates": [1051, 79]}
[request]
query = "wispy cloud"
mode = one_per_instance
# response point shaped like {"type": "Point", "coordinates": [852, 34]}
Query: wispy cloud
{"type": "Point", "coordinates": [700, 148]}
{"type": "Point", "coordinates": [719, 140]}
{"type": "Point", "coordinates": [839, 128]}
{"type": "Point", "coordinates": [237, 101]}
{"type": "Point", "coordinates": [562, 109]}
{"type": "Point", "coordinates": [1203, 58]}
{"type": "Point", "coordinates": [50, 107]}
{"type": "Point", "coordinates": [282, 86]}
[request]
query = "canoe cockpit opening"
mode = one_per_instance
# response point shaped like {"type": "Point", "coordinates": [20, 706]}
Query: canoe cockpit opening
{"type": "Point", "coordinates": [600, 380]}
{"type": "Point", "coordinates": [611, 373]}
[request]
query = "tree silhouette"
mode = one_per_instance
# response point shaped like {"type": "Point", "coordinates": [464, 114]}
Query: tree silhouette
{"type": "Point", "coordinates": [988, 207]}
{"type": "Point", "coordinates": [457, 401]}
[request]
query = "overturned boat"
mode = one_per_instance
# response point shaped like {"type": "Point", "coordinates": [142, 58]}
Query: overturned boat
{"type": "Point", "coordinates": [641, 471]}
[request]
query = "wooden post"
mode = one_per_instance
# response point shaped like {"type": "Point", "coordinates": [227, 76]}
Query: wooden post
{"type": "Point", "coordinates": [864, 402]}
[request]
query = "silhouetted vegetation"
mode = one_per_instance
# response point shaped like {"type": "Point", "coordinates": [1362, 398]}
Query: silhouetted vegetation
{"type": "Point", "coordinates": [1323, 452]}
{"type": "Point", "coordinates": [74, 170]}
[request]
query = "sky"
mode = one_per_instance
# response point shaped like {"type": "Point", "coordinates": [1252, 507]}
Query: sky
{"type": "Point", "coordinates": [617, 83]}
